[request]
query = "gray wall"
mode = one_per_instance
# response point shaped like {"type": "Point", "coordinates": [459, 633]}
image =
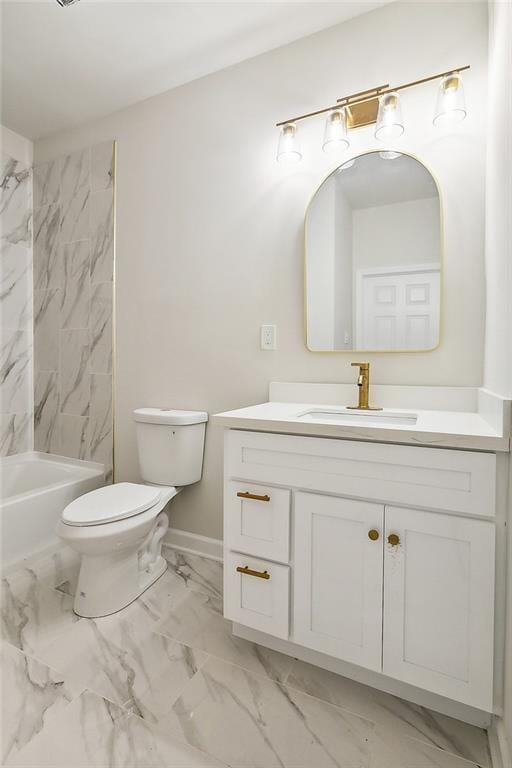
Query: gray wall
{"type": "Point", "coordinates": [73, 299]}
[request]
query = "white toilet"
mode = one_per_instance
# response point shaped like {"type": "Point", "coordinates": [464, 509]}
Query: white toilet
{"type": "Point", "coordinates": [118, 529]}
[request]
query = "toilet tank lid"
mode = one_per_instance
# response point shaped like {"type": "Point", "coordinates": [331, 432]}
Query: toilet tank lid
{"type": "Point", "coordinates": [169, 416]}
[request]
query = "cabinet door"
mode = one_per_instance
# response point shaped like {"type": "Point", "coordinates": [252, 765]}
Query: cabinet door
{"type": "Point", "coordinates": [338, 577]}
{"type": "Point", "coordinates": [439, 604]}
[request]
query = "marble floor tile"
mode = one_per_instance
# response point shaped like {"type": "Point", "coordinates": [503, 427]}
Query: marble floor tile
{"type": "Point", "coordinates": [57, 570]}
{"type": "Point", "coordinates": [269, 725]}
{"type": "Point", "coordinates": [95, 733]}
{"type": "Point", "coordinates": [87, 656]}
{"type": "Point", "coordinates": [33, 615]}
{"type": "Point", "coordinates": [32, 695]}
{"type": "Point", "coordinates": [197, 620]}
{"type": "Point", "coordinates": [119, 657]}
{"type": "Point", "coordinates": [401, 717]}
{"type": "Point", "coordinates": [165, 683]}
{"type": "Point", "coordinates": [388, 750]}
{"type": "Point", "coordinates": [161, 670]}
{"type": "Point", "coordinates": [200, 574]}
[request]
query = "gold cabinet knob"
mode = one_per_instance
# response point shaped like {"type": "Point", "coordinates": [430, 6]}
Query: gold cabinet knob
{"type": "Point", "coordinates": [394, 539]}
{"type": "Point", "coordinates": [373, 534]}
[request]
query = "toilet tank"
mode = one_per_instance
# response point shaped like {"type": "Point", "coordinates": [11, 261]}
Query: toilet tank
{"type": "Point", "coordinates": [170, 445]}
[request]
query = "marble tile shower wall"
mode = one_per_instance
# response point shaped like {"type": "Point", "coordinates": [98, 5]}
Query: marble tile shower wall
{"type": "Point", "coordinates": [73, 299]}
{"type": "Point", "coordinates": [16, 396]}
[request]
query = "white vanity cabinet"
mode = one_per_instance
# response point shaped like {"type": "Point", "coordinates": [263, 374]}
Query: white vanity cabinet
{"type": "Point", "coordinates": [379, 555]}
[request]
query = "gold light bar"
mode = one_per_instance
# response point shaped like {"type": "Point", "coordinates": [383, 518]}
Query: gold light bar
{"type": "Point", "coordinates": [362, 106]}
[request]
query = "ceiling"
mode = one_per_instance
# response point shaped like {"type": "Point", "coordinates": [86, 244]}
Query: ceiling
{"type": "Point", "coordinates": [65, 66]}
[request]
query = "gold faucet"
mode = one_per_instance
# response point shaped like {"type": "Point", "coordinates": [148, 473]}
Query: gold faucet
{"type": "Point", "coordinates": [363, 382]}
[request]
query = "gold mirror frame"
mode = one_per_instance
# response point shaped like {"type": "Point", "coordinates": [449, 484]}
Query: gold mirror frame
{"type": "Point", "coordinates": [441, 264]}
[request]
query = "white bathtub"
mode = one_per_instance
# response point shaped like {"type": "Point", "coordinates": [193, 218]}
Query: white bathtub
{"type": "Point", "coordinates": [34, 489]}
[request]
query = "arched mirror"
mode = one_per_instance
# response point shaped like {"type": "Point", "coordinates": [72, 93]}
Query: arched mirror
{"type": "Point", "coordinates": [373, 257]}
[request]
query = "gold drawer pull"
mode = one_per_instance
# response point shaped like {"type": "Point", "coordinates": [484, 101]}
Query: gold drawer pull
{"type": "Point", "coordinates": [253, 496]}
{"type": "Point", "coordinates": [394, 539]}
{"type": "Point", "coordinates": [373, 535]}
{"type": "Point", "coordinates": [248, 572]}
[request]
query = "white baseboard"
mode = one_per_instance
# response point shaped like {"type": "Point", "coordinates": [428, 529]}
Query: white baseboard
{"type": "Point", "coordinates": [499, 745]}
{"type": "Point", "coordinates": [194, 544]}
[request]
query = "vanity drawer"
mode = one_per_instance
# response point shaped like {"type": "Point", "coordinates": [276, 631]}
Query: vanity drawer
{"type": "Point", "coordinates": [257, 520]}
{"type": "Point", "coordinates": [257, 593]}
{"type": "Point", "coordinates": [431, 478]}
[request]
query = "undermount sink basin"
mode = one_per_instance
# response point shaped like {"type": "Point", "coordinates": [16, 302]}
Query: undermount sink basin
{"type": "Point", "coordinates": [379, 418]}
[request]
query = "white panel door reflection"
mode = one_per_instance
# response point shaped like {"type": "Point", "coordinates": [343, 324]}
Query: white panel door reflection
{"type": "Point", "coordinates": [398, 308]}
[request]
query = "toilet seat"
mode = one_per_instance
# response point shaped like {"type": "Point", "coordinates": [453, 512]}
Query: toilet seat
{"type": "Point", "coordinates": [111, 503]}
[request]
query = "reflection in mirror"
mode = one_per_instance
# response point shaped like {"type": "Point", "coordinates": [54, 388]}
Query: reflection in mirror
{"type": "Point", "coordinates": [373, 257]}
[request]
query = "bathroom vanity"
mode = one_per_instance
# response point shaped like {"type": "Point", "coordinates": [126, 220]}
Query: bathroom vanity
{"type": "Point", "coordinates": [372, 543]}
{"type": "Point", "coordinates": [365, 531]}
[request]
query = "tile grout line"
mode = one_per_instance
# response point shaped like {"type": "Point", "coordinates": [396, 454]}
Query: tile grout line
{"type": "Point", "coordinates": [190, 679]}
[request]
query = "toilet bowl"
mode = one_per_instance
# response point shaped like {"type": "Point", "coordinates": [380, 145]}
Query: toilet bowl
{"type": "Point", "coordinates": [118, 529]}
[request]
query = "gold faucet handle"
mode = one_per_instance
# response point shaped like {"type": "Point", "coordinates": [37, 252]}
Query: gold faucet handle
{"type": "Point", "coordinates": [360, 365]}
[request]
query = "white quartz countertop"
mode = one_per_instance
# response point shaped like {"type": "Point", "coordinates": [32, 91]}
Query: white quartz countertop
{"type": "Point", "coordinates": [477, 430]}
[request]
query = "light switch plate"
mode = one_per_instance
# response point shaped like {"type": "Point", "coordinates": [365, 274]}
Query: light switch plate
{"type": "Point", "coordinates": [268, 334]}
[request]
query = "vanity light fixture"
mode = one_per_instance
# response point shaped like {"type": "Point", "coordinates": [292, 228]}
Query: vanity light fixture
{"type": "Point", "coordinates": [390, 122]}
{"type": "Point", "coordinates": [335, 134]}
{"type": "Point", "coordinates": [380, 106]}
{"type": "Point", "coordinates": [450, 104]}
{"type": "Point", "coordinates": [288, 149]}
